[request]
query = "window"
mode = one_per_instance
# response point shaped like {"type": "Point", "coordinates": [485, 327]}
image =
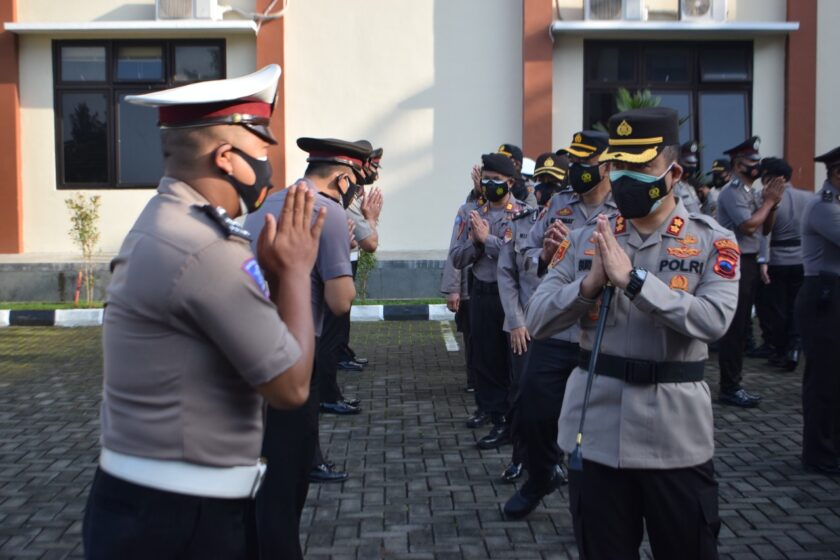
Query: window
{"type": "Point", "coordinates": [709, 84]}
{"type": "Point", "coordinates": [101, 140]}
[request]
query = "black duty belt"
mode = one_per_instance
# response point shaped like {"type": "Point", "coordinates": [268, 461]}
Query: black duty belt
{"type": "Point", "coordinates": [480, 287]}
{"type": "Point", "coordinates": [644, 372]}
{"type": "Point", "coordinates": [786, 242]}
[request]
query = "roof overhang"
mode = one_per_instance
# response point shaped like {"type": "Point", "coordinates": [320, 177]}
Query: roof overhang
{"type": "Point", "coordinates": [670, 29]}
{"type": "Point", "coordinates": [135, 28]}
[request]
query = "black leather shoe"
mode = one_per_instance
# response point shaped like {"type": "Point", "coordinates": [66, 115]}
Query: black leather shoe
{"type": "Point", "coordinates": [739, 398]}
{"type": "Point", "coordinates": [792, 360]}
{"type": "Point", "coordinates": [353, 402]}
{"type": "Point", "coordinates": [325, 473]}
{"type": "Point", "coordinates": [350, 365]}
{"type": "Point", "coordinates": [828, 470]}
{"type": "Point", "coordinates": [498, 436]}
{"type": "Point", "coordinates": [478, 419]}
{"type": "Point", "coordinates": [513, 472]}
{"type": "Point", "coordinates": [340, 407]}
{"type": "Point", "coordinates": [561, 476]}
{"type": "Point", "coordinates": [763, 351]}
{"type": "Point", "coordinates": [363, 361]}
{"type": "Point", "coordinates": [526, 499]}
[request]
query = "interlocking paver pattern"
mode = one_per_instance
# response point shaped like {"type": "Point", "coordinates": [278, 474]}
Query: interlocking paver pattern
{"type": "Point", "coordinates": [419, 486]}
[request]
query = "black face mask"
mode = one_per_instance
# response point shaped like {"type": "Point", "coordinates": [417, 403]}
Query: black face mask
{"type": "Point", "coordinates": [348, 195]}
{"type": "Point", "coordinates": [520, 190]}
{"type": "Point", "coordinates": [719, 181]}
{"type": "Point", "coordinates": [544, 192]}
{"type": "Point", "coordinates": [583, 178]}
{"type": "Point", "coordinates": [252, 196]}
{"type": "Point", "coordinates": [689, 170]}
{"type": "Point", "coordinates": [494, 191]}
{"type": "Point", "coordinates": [637, 194]}
{"type": "Point", "coordinates": [751, 171]}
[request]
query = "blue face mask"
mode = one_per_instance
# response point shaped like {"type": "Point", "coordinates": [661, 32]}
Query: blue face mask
{"type": "Point", "coordinates": [638, 194]}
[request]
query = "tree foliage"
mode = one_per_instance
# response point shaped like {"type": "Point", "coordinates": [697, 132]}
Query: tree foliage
{"type": "Point", "coordinates": [84, 231]}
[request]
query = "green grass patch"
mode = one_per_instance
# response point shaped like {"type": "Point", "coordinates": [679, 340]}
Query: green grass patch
{"type": "Point", "coordinates": [47, 305]}
{"type": "Point", "coordinates": [427, 301]}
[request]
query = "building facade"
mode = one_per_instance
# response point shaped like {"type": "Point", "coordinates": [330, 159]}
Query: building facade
{"type": "Point", "coordinates": [435, 82]}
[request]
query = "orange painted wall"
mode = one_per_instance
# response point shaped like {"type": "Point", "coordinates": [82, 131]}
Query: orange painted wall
{"type": "Point", "coordinates": [801, 92]}
{"type": "Point", "coordinates": [11, 204]}
{"type": "Point", "coordinates": [270, 51]}
{"type": "Point", "coordinates": [536, 76]}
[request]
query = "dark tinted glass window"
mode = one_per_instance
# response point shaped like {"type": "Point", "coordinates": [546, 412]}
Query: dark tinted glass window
{"type": "Point", "coordinates": [601, 107]}
{"type": "Point", "coordinates": [724, 65]}
{"type": "Point", "coordinates": [668, 65]}
{"type": "Point", "coordinates": [140, 158]}
{"type": "Point", "coordinates": [197, 63]}
{"type": "Point", "coordinates": [681, 101]}
{"type": "Point", "coordinates": [724, 118]}
{"type": "Point", "coordinates": [613, 65]}
{"type": "Point", "coordinates": [140, 63]}
{"type": "Point", "coordinates": [83, 64]}
{"type": "Point", "coordinates": [84, 137]}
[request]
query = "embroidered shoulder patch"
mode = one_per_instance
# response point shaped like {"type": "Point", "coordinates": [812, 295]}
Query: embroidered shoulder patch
{"type": "Point", "coordinates": [620, 225]}
{"type": "Point", "coordinates": [676, 226]}
{"type": "Point", "coordinates": [727, 245]}
{"type": "Point", "coordinates": [728, 256]}
{"type": "Point", "coordinates": [560, 253]}
{"type": "Point", "coordinates": [252, 269]}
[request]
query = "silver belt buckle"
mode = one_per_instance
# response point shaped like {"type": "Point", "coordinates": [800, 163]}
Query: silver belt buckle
{"type": "Point", "coordinates": [262, 465]}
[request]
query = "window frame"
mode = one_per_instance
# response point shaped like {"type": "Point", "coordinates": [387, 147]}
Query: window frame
{"type": "Point", "coordinates": [695, 86]}
{"type": "Point", "coordinates": [113, 90]}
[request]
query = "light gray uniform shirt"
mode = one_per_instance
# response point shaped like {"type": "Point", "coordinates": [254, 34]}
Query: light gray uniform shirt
{"type": "Point", "coordinates": [785, 241]}
{"type": "Point", "coordinates": [821, 232]}
{"type": "Point", "coordinates": [333, 260]}
{"type": "Point", "coordinates": [736, 204]}
{"type": "Point", "coordinates": [687, 300]}
{"type": "Point", "coordinates": [567, 207]}
{"type": "Point", "coordinates": [189, 332]}
{"type": "Point", "coordinates": [709, 206]}
{"type": "Point", "coordinates": [515, 286]}
{"type": "Point", "coordinates": [484, 256]}
{"type": "Point", "coordinates": [688, 195]}
{"type": "Point", "coordinates": [456, 279]}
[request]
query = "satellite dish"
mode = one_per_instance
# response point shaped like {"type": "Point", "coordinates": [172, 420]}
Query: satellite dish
{"type": "Point", "coordinates": [696, 8]}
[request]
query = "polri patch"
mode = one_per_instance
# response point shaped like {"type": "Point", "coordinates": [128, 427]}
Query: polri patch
{"type": "Point", "coordinates": [252, 269]}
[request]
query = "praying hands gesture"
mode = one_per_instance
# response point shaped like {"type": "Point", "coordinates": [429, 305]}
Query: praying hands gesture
{"type": "Point", "coordinates": [610, 262]}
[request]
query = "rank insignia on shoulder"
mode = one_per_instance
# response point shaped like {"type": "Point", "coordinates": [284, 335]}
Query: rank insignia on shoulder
{"type": "Point", "coordinates": [679, 282]}
{"type": "Point", "coordinates": [560, 253]}
{"type": "Point", "coordinates": [827, 196]}
{"type": "Point", "coordinates": [229, 226]}
{"type": "Point", "coordinates": [252, 269]}
{"type": "Point", "coordinates": [620, 225]}
{"type": "Point", "coordinates": [676, 226]}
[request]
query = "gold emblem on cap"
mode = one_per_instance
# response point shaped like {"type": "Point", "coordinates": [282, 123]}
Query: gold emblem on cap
{"type": "Point", "coordinates": [578, 138]}
{"type": "Point", "coordinates": [501, 148]}
{"type": "Point", "coordinates": [624, 129]}
{"type": "Point", "coordinates": [548, 162]}
{"type": "Point", "coordinates": [236, 118]}
{"type": "Point", "coordinates": [586, 177]}
{"type": "Point", "coordinates": [653, 193]}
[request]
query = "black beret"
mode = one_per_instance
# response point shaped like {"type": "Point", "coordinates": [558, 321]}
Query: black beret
{"type": "Point", "coordinates": [499, 163]}
{"type": "Point", "coordinates": [511, 151]}
{"type": "Point", "coordinates": [639, 135]}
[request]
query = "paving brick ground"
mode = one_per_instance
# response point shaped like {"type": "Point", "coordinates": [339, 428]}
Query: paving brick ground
{"type": "Point", "coordinates": [419, 487]}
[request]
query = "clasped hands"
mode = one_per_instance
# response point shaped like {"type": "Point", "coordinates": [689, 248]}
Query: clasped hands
{"type": "Point", "coordinates": [610, 262]}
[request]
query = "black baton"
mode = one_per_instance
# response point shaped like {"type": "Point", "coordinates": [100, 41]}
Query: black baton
{"type": "Point", "coordinates": [576, 458]}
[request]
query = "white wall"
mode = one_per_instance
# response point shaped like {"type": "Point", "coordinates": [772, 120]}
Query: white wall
{"type": "Point", "coordinates": [436, 83]}
{"type": "Point", "coordinates": [45, 217]}
{"type": "Point", "coordinates": [567, 90]}
{"type": "Point", "coordinates": [827, 135]}
{"type": "Point", "coordinates": [100, 10]}
{"type": "Point", "coordinates": [768, 119]}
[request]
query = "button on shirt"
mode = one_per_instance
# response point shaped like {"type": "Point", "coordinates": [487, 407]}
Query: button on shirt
{"type": "Point", "coordinates": [188, 334]}
{"type": "Point", "coordinates": [736, 204]}
{"type": "Point", "coordinates": [821, 232]}
{"type": "Point", "coordinates": [687, 300]}
{"type": "Point", "coordinates": [333, 260]}
{"type": "Point", "coordinates": [484, 256]}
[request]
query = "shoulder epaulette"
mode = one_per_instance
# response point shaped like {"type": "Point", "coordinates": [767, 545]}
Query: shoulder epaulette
{"type": "Point", "coordinates": [526, 211]}
{"type": "Point", "coordinates": [229, 226]}
{"type": "Point", "coordinates": [828, 196]}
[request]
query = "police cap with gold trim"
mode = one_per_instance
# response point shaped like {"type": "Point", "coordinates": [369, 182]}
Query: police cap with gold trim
{"type": "Point", "coordinates": [552, 164]}
{"type": "Point", "coordinates": [586, 144]}
{"type": "Point", "coordinates": [830, 159]}
{"type": "Point", "coordinates": [720, 166]}
{"type": "Point", "coordinates": [512, 151]}
{"type": "Point", "coordinates": [246, 101]}
{"type": "Point", "coordinates": [639, 135]}
{"type": "Point", "coordinates": [747, 149]}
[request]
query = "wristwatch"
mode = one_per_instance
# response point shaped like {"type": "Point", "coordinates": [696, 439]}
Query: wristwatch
{"type": "Point", "coordinates": [637, 279]}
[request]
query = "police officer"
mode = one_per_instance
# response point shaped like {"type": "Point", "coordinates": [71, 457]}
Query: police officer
{"type": "Point", "coordinates": [193, 339]}
{"type": "Point", "coordinates": [721, 173]}
{"type": "Point", "coordinates": [740, 211]}
{"type": "Point", "coordinates": [551, 360]}
{"type": "Point", "coordinates": [550, 172]}
{"type": "Point", "coordinates": [707, 195]}
{"type": "Point", "coordinates": [479, 244]}
{"type": "Point", "coordinates": [521, 190]}
{"type": "Point", "coordinates": [817, 315]}
{"type": "Point", "coordinates": [515, 289]}
{"type": "Point", "coordinates": [649, 437]}
{"type": "Point", "coordinates": [291, 437]}
{"type": "Point", "coordinates": [782, 276]}
{"type": "Point", "coordinates": [690, 165]}
{"type": "Point", "coordinates": [455, 284]}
